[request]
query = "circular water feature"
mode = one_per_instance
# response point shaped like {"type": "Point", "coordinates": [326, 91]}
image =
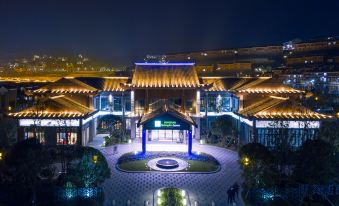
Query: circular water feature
{"type": "Point", "coordinates": [167, 163]}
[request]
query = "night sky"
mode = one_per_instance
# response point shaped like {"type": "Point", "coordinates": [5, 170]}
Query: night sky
{"type": "Point", "coordinates": [124, 31]}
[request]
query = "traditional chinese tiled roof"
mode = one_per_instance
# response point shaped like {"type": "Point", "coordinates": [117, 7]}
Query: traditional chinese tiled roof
{"type": "Point", "coordinates": [274, 107]}
{"type": "Point", "coordinates": [55, 107]}
{"type": "Point", "coordinates": [265, 85]}
{"type": "Point", "coordinates": [66, 85]}
{"type": "Point", "coordinates": [165, 76]}
{"type": "Point", "coordinates": [106, 83]}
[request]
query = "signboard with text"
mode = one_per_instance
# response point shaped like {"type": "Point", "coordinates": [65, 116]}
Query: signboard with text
{"type": "Point", "coordinates": [167, 122]}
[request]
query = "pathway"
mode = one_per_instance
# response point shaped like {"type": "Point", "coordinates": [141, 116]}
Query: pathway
{"type": "Point", "coordinates": [139, 187]}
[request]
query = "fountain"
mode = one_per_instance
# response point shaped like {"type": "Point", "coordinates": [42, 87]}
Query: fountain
{"type": "Point", "coordinates": [167, 163]}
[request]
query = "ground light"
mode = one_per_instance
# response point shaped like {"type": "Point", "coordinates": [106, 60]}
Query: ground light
{"type": "Point", "coordinates": [163, 192]}
{"type": "Point", "coordinates": [1, 155]}
{"type": "Point", "coordinates": [245, 161]}
{"type": "Point", "coordinates": [95, 159]}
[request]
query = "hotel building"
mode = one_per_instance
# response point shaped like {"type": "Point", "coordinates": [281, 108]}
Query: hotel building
{"type": "Point", "coordinates": [167, 102]}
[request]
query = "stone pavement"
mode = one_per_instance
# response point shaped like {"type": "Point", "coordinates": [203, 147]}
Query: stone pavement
{"type": "Point", "coordinates": [202, 188]}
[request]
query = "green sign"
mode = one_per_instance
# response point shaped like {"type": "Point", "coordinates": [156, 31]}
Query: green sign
{"type": "Point", "coordinates": [159, 124]}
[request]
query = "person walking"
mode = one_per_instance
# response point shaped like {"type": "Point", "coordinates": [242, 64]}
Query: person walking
{"type": "Point", "coordinates": [229, 195]}
{"type": "Point", "coordinates": [115, 149]}
{"type": "Point", "coordinates": [236, 189]}
{"type": "Point", "coordinates": [232, 195]}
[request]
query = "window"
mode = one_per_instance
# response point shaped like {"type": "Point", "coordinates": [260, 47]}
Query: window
{"type": "Point", "coordinates": [128, 104]}
{"type": "Point", "coordinates": [67, 136]}
{"type": "Point", "coordinates": [96, 102]}
{"type": "Point", "coordinates": [40, 135]}
{"type": "Point", "coordinates": [104, 103]}
{"type": "Point", "coordinates": [117, 103]}
{"type": "Point", "coordinates": [202, 104]}
{"type": "Point", "coordinates": [212, 104]}
{"type": "Point", "coordinates": [225, 105]}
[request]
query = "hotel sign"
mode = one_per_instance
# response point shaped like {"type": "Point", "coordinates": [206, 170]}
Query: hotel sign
{"type": "Point", "coordinates": [166, 124]}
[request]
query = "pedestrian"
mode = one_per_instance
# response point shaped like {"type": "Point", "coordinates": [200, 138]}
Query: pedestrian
{"type": "Point", "coordinates": [229, 191]}
{"type": "Point", "coordinates": [115, 149]}
{"type": "Point", "coordinates": [236, 189]}
{"type": "Point", "coordinates": [232, 195]}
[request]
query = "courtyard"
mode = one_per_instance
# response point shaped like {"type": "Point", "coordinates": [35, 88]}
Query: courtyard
{"type": "Point", "coordinates": [138, 188]}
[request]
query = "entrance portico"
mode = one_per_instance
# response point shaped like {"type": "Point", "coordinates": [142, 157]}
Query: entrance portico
{"type": "Point", "coordinates": [167, 124]}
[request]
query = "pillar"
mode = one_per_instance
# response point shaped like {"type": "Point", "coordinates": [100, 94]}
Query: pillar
{"type": "Point", "coordinates": [198, 103]}
{"type": "Point", "coordinates": [123, 111]}
{"type": "Point", "coordinates": [241, 102]}
{"type": "Point", "coordinates": [133, 128]}
{"type": "Point", "coordinates": [197, 129]}
{"type": "Point", "coordinates": [146, 107]}
{"type": "Point", "coordinates": [190, 141]}
{"type": "Point", "coordinates": [143, 141]}
{"type": "Point", "coordinates": [206, 110]}
{"type": "Point", "coordinates": [132, 103]}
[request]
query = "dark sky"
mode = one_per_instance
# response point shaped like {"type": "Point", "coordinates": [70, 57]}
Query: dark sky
{"type": "Point", "coordinates": [126, 30]}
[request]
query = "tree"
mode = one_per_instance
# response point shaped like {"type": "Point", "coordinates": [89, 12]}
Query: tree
{"type": "Point", "coordinates": [26, 164]}
{"type": "Point", "coordinates": [257, 163]}
{"type": "Point", "coordinates": [282, 150]}
{"type": "Point", "coordinates": [316, 163]}
{"type": "Point", "coordinates": [91, 170]}
{"type": "Point", "coordinates": [8, 132]}
{"type": "Point", "coordinates": [329, 132]}
{"type": "Point", "coordinates": [224, 128]}
{"type": "Point", "coordinates": [113, 125]}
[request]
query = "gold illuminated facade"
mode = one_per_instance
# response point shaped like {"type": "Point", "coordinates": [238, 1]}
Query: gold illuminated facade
{"type": "Point", "coordinates": [71, 107]}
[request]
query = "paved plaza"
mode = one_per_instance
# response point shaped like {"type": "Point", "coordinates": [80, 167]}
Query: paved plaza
{"type": "Point", "coordinates": [139, 187]}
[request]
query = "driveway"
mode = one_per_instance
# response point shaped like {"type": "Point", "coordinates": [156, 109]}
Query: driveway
{"type": "Point", "coordinates": [202, 188]}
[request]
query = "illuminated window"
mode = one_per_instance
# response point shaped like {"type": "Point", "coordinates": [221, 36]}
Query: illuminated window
{"type": "Point", "coordinates": [40, 135]}
{"type": "Point", "coordinates": [66, 136]}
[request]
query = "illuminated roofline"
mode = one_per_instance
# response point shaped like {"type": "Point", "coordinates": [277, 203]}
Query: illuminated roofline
{"type": "Point", "coordinates": [164, 64]}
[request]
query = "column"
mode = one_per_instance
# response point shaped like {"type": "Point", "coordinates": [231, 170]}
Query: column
{"type": "Point", "coordinates": [133, 128]}
{"type": "Point", "coordinates": [206, 109]}
{"type": "Point", "coordinates": [146, 107]}
{"type": "Point", "coordinates": [197, 129]}
{"type": "Point", "coordinates": [241, 102]}
{"type": "Point", "coordinates": [123, 111]}
{"type": "Point", "coordinates": [99, 102]}
{"type": "Point", "coordinates": [190, 141]}
{"type": "Point", "coordinates": [132, 103]}
{"type": "Point", "coordinates": [143, 141]}
{"type": "Point", "coordinates": [198, 103]}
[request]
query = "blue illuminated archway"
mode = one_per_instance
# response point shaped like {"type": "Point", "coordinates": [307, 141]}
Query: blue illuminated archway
{"type": "Point", "coordinates": [166, 119]}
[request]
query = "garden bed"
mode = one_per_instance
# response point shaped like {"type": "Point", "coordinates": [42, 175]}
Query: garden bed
{"type": "Point", "coordinates": [198, 163]}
